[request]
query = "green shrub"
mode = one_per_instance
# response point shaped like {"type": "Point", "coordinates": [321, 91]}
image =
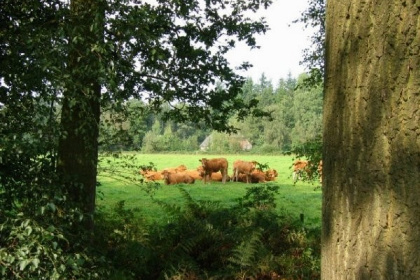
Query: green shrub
{"type": "Point", "coordinates": [32, 250]}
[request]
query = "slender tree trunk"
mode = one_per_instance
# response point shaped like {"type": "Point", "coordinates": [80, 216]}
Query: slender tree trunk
{"type": "Point", "coordinates": [78, 146]}
{"type": "Point", "coordinates": [371, 160]}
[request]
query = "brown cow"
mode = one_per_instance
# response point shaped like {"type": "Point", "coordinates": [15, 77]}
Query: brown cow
{"type": "Point", "coordinates": [256, 176]}
{"type": "Point", "coordinates": [176, 169]}
{"type": "Point", "coordinates": [259, 176]}
{"type": "Point", "coordinates": [214, 165]}
{"type": "Point", "coordinates": [196, 174]}
{"type": "Point", "coordinates": [303, 166]}
{"type": "Point", "coordinates": [171, 178]}
{"type": "Point", "coordinates": [150, 174]}
{"type": "Point", "coordinates": [217, 176]}
{"type": "Point", "coordinates": [300, 166]}
{"type": "Point", "coordinates": [320, 171]}
{"type": "Point", "coordinates": [153, 175]}
{"type": "Point", "coordinates": [271, 175]}
{"type": "Point", "coordinates": [245, 167]}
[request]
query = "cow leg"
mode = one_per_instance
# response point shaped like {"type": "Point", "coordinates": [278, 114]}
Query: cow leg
{"type": "Point", "coordinates": [209, 177]}
{"type": "Point", "coordinates": [295, 177]}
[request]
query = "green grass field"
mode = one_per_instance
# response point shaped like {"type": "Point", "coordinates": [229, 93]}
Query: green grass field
{"type": "Point", "coordinates": [302, 198]}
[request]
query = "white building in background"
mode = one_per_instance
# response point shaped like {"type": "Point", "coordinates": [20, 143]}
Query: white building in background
{"type": "Point", "coordinates": [242, 141]}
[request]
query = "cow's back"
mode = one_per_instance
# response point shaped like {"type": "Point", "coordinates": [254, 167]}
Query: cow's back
{"type": "Point", "coordinates": [215, 164]}
{"type": "Point", "coordinates": [178, 178]}
{"type": "Point", "coordinates": [218, 164]}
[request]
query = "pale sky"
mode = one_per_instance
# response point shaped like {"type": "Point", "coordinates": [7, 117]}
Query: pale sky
{"type": "Point", "coordinates": [281, 47]}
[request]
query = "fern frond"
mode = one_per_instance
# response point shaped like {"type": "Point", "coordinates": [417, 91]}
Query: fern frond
{"type": "Point", "coordinates": [245, 254]}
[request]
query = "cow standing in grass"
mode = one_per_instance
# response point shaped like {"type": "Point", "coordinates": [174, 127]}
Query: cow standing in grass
{"type": "Point", "coordinates": [320, 171]}
{"type": "Point", "coordinates": [243, 167]}
{"type": "Point", "coordinates": [214, 165]}
{"type": "Point", "coordinates": [300, 166]}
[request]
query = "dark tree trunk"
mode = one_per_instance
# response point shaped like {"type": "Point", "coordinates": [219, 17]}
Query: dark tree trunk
{"type": "Point", "coordinates": [78, 146]}
{"type": "Point", "coordinates": [371, 167]}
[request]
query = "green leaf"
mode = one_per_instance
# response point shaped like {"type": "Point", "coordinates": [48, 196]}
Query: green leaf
{"type": "Point", "coordinates": [23, 264]}
{"type": "Point", "coordinates": [28, 230]}
{"type": "Point", "coordinates": [52, 206]}
{"type": "Point", "coordinates": [25, 223]}
{"type": "Point", "coordinates": [35, 262]}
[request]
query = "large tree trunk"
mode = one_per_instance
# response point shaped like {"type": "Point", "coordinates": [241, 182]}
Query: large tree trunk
{"type": "Point", "coordinates": [371, 167]}
{"type": "Point", "coordinates": [78, 146]}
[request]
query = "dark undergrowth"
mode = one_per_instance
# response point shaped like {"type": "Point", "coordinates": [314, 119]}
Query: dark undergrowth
{"type": "Point", "coordinates": [203, 240]}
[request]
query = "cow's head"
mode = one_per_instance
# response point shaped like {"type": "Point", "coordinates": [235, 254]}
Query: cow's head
{"type": "Point", "coordinates": [181, 168]}
{"type": "Point", "coordinates": [271, 174]}
{"type": "Point", "coordinates": [165, 174]}
{"type": "Point", "coordinates": [203, 161]}
{"type": "Point", "coordinates": [201, 171]}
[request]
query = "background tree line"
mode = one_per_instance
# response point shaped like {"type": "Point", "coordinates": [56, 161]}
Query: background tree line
{"type": "Point", "coordinates": [296, 118]}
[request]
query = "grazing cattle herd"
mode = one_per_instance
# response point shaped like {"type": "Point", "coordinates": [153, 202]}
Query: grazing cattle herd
{"type": "Point", "coordinates": [216, 169]}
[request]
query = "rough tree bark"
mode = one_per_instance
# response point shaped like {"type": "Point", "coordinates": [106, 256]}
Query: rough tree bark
{"type": "Point", "coordinates": [371, 200]}
{"type": "Point", "coordinates": [78, 146]}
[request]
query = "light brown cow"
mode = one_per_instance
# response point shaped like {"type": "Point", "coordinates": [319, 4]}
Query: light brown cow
{"type": "Point", "coordinates": [271, 175]}
{"type": "Point", "coordinates": [153, 175]}
{"type": "Point", "coordinates": [176, 169]}
{"type": "Point", "coordinates": [217, 176]}
{"type": "Point", "coordinates": [144, 170]}
{"type": "Point", "coordinates": [259, 176]}
{"type": "Point", "coordinates": [150, 174]}
{"type": "Point", "coordinates": [171, 178]}
{"type": "Point", "coordinates": [196, 174]}
{"type": "Point", "coordinates": [243, 167]}
{"type": "Point", "coordinates": [214, 165]}
{"type": "Point", "coordinates": [320, 171]}
{"type": "Point", "coordinates": [299, 166]}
